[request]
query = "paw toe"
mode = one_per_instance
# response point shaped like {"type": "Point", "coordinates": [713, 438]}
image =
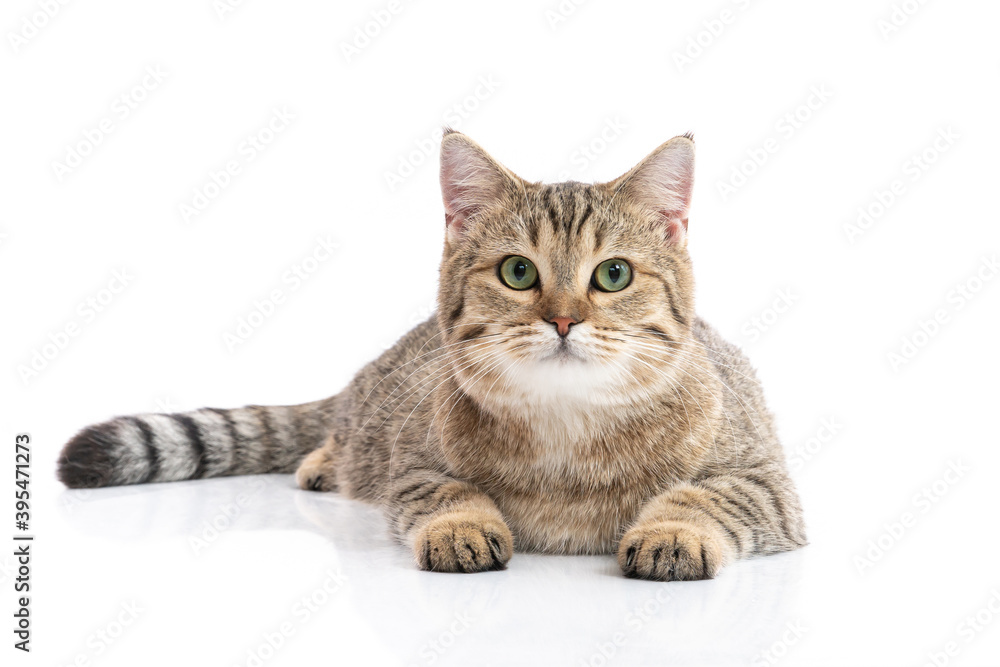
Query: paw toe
{"type": "Point", "coordinates": [669, 551]}
{"type": "Point", "coordinates": [316, 473]}
{"type": "Point", "coordinates": [463, 542]}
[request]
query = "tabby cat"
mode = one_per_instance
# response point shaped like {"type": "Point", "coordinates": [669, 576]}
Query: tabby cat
{"type": "Point", "coordinates": [565, 398]}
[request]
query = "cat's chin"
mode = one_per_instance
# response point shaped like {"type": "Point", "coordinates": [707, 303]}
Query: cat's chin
{"type": "Point", "coordinates": [565, 376]}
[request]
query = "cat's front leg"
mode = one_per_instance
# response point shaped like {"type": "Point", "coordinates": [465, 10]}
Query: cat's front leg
{"type": "Point", "coordinates": [451, 525]}
{"type": "Point", "coordinates": [693, 529]}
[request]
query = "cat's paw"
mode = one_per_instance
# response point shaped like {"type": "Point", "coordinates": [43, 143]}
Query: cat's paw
{"type": "Point", "coordinates": [463, 541]}
{"type": "Point", "coordinates": [670, 551]}
{"type": "Point", "coordinates": [317, 472]}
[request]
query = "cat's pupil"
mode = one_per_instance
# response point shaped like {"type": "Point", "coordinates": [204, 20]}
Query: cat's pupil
{"type": "Point", "coordinates": [614, 272]}
{"type": "Point", "coordinates": [519, 270]}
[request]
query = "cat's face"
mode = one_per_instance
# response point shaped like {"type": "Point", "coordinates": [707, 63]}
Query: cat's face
{"type": "Point", "coordinates": [568, 292]}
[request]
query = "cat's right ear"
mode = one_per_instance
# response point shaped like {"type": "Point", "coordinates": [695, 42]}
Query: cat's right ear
{"type": "Point", "coordinates": [471, 180]}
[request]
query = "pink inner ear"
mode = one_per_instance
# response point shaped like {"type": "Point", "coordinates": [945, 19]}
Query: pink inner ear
{"type": "Point", "coordinates": [676, 229]}
{"type": "Point", "coordinates": [452, 193]}
{"type": "Point", "coordinates": [663, 182]}
{"type": "Point", "coordinates": [453, 221]}
{"type": "Point", "coordinates": [469, 181]}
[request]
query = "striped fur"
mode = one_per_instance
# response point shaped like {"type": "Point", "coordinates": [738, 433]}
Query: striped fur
{"type": "Point", "coordinates": [205, 443]}
{"type": "Point", "coordinates": [640, 432]}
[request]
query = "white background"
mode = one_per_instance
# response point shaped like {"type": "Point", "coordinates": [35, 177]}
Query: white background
{"type": "Point", "coordinates": [605, 76]}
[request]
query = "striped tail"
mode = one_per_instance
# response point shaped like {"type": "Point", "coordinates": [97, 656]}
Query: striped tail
{"type": "Point", "coordinates": [205, 443]}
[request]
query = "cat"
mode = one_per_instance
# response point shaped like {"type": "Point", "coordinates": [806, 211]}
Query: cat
{"type": "Point", "coordinates": [564, 398]}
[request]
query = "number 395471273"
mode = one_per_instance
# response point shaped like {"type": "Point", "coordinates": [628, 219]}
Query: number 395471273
{"type": "Point", "coordinates": [22, 475]}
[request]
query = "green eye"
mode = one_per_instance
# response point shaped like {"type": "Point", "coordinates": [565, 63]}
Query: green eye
{"type": "Point", "coordinates": [612, 275]}
{"type": "Point", "coordinates": [518, 272]}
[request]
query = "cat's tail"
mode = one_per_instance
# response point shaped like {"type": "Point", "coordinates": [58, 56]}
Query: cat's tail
{"type": "Point", "coordinates": [204, 443]}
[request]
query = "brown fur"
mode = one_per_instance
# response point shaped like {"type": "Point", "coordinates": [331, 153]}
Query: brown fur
{"type": "Point", "coordinates": [641, 431]}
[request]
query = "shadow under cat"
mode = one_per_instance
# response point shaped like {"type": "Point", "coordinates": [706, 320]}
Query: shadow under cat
{"type": "Point", "coordinates": [571, 609]}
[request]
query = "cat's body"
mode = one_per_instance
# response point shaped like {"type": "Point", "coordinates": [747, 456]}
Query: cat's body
{"type": "Point", "coordinates": [630, 426]}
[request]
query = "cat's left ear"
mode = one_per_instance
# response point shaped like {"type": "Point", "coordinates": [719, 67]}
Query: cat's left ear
{"type": "Point", "coordinates": [663, 182]}
{"type": "Point", "coordinates": [471, 181]}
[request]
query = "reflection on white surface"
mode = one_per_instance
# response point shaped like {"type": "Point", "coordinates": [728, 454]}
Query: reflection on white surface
{"type": "Point", "coordinates": [278, 575]}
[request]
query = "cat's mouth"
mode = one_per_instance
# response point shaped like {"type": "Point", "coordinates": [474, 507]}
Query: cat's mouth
{"type": "Point", "coordinates": [565, 351]}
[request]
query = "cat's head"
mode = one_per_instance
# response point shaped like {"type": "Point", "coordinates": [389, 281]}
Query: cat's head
{"type": "Point", "coordinates": [565, 291]}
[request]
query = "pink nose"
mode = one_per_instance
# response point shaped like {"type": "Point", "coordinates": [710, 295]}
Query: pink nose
{"type": "Point", "coordinates": [562, 324]}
